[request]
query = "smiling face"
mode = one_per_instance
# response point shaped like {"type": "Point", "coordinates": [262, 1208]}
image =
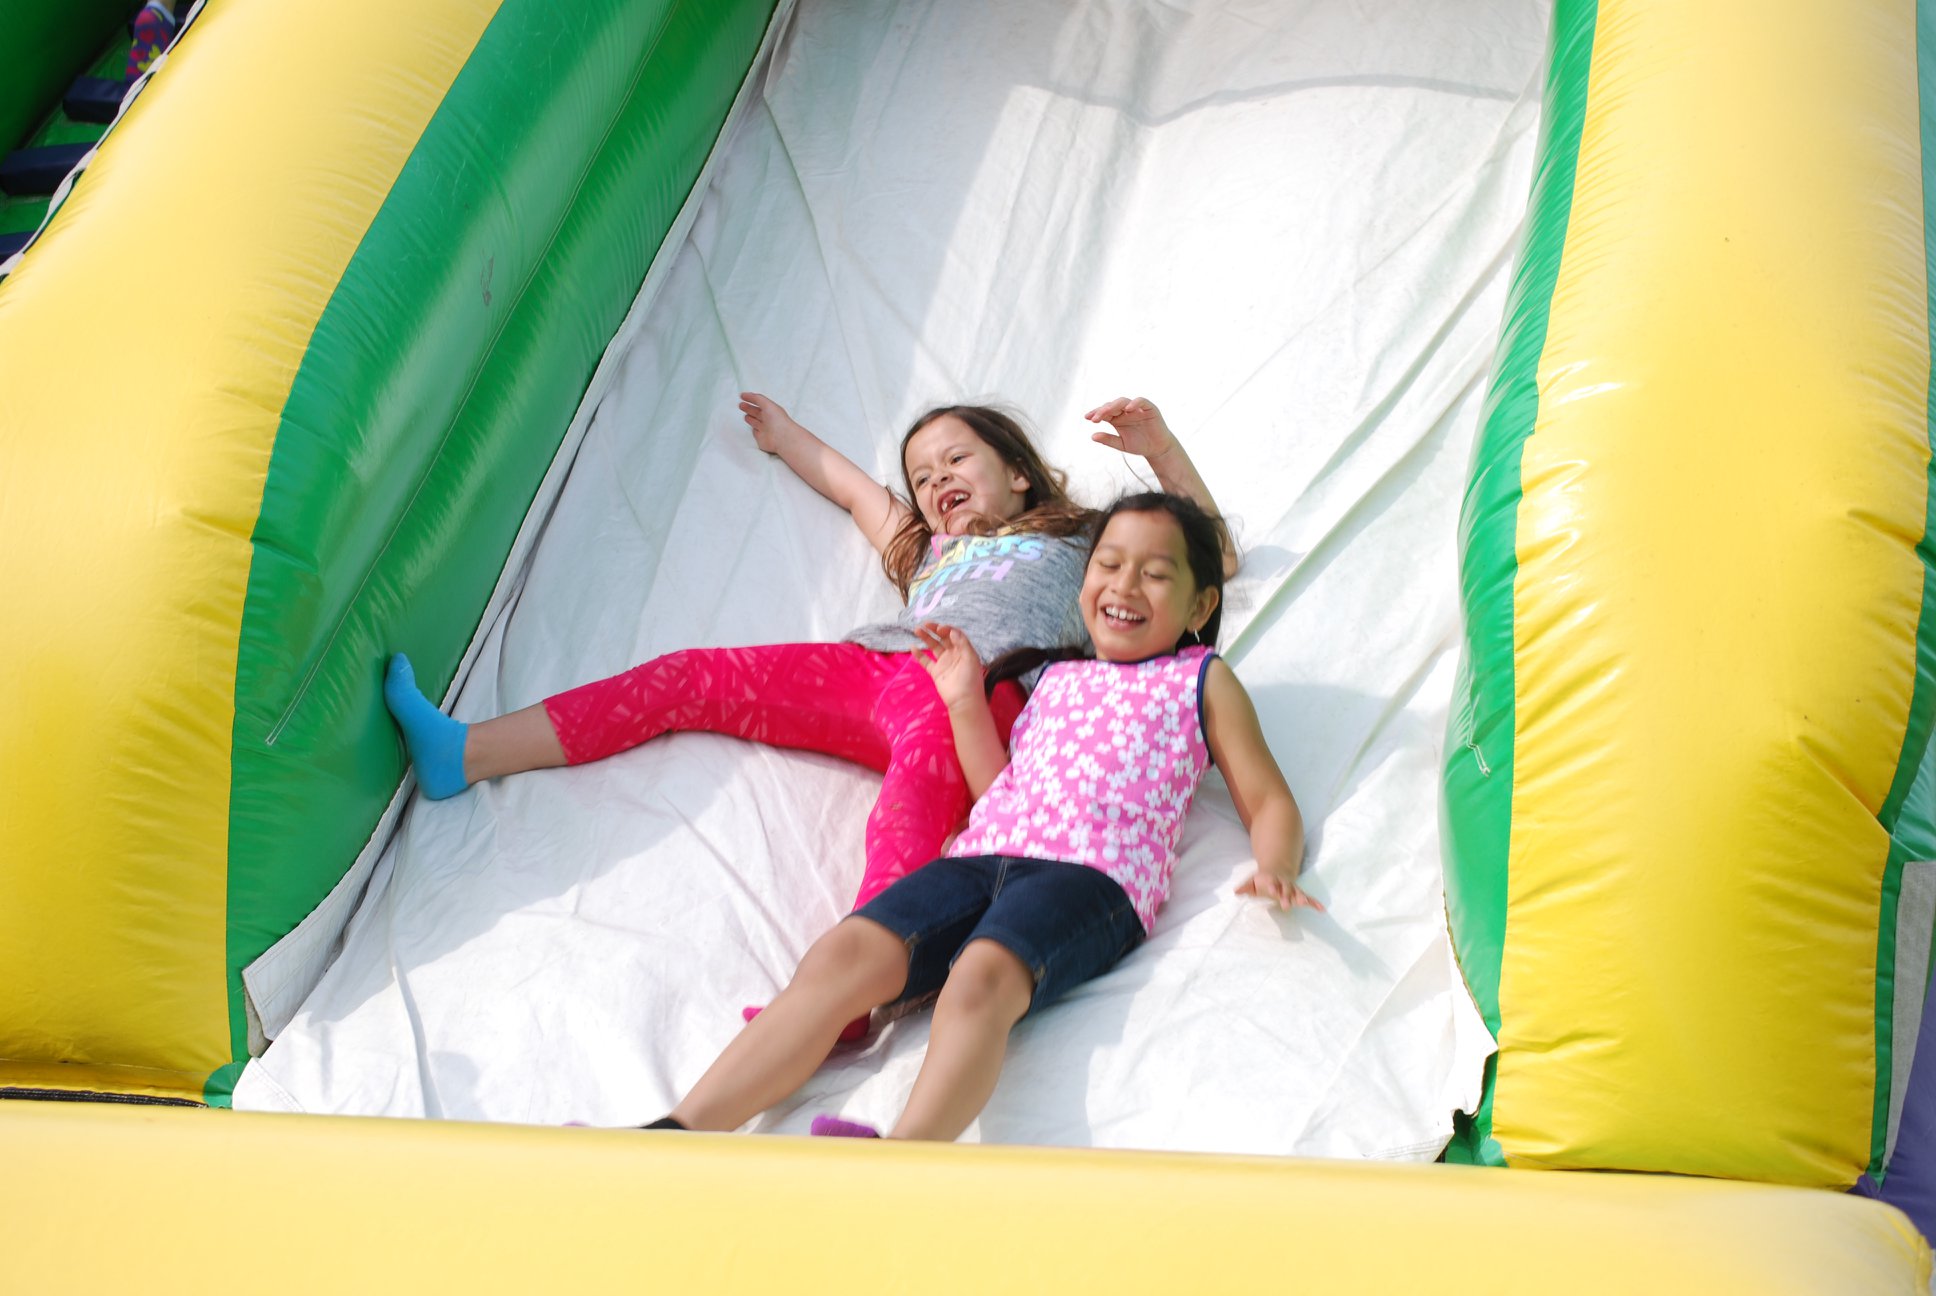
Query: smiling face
{"type": "Point", "coordinates": [960, 484]}
{"type": "Point", "coordinates": [1138, 595]}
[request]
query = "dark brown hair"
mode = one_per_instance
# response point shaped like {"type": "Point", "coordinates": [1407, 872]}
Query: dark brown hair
{"type": "Point", "coordinates": [1046, 506]}
{"type": "Point", "coordinates": [1204, 545]}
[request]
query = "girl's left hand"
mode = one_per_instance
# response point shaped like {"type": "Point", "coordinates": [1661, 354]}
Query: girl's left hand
{"type": "Point", "coordinates": [952, 660]}
{"type": "Point", "coordinates": [1286, 894]}
{"type": "Point", "coordinates": [1139, 427]}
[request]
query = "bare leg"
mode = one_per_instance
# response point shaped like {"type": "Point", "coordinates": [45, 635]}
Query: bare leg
{"type": "Point", "coordinates": [511, 744]}
{"type": "Point", "coordinates": [857, 966]}
{"type": "Point", "coordinates": [987, 992]}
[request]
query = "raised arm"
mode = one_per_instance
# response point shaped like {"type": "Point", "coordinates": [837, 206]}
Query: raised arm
{"type": "Point", "coordinates": [1257, 786]}
{"type": "Point", "coordinates": [957, 672]}
{"type": "Point", "coordinates": [872, 506]}
{"type": "Point", "coordinates": [1140, 430]}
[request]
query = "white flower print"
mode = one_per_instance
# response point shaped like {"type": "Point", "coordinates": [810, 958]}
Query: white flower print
{"type": "Point", "coordinates": [1105, 762]}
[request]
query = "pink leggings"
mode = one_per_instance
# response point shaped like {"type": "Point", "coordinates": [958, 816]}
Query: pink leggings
{"type": "Point", "coordinates": [875, 709]}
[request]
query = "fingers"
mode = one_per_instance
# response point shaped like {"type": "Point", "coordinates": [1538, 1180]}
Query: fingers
{"type": "Point", "coordinates": [758, 408]}
{"type": "Point", "coordinates": [1109, 439]}
{"type": "Point", "coordinates": [1121, 407]}
{"type": "Point", "coordinates": [938, 639]}
{"type": "Point", "coordinates": [1285, 895]}
{"type": "Point", "coordinates": [1270, 889]}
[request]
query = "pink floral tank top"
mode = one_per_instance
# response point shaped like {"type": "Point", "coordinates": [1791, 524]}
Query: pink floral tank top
{"type": "Point", "coordinates": [1104, 761]}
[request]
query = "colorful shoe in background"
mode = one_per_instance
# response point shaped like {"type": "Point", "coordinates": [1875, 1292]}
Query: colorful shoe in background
{"type": "Point", "coordinates": [154, 28]}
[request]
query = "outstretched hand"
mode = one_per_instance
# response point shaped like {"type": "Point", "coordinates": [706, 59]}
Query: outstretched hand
{"type": "Point", "coordinates": [772, 425]}
{"type": "Point", "coordinates": [951, 660]}
{"type": "Point", "coordinates": [1139, 427]}
{"type": "Point", "coordinates": [1286, 894]}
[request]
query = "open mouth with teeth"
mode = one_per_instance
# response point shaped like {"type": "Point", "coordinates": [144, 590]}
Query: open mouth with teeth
{"type": "Point", "coordinates": [1121, 618]}
{"type": "Point", "coordinates": [949, 501]}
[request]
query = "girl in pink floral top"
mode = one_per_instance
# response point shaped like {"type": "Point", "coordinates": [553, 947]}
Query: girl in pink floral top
{"type": "Point", "coordinates": [1069, 850]}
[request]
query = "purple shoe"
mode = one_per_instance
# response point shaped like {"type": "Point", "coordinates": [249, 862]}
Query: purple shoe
{"type": "Point", "coordinates": [154, 30]}
{"type": "Point", "coordinates": [835, 1127]}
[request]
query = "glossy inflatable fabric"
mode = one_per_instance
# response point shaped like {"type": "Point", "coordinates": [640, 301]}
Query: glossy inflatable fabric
{"type": "Point", "coordinates": [1696, 572]}
{"type": "Point", "coordinates": [314, 426]}
{"type": "Point", "coordinates": [509, 1208]}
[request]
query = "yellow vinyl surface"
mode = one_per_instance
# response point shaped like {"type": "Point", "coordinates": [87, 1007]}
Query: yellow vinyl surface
{"type": "Point", "coordinates": [134, 442]}
{"type": "Point", "coordinates": [1717, 596]}
{"type": "Point", "coordinates": [330, 1204]}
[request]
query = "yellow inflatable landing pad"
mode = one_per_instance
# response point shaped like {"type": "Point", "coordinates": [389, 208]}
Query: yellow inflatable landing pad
{"type": "Point", "coordinates": [167, 1200]}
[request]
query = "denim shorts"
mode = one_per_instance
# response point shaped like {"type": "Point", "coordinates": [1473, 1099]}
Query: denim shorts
{"type": "Point", "coordinates": [1066, 922]}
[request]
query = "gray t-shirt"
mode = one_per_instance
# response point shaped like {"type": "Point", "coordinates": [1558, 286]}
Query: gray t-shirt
{"type": "Point", "coordinates": [1004, 592]}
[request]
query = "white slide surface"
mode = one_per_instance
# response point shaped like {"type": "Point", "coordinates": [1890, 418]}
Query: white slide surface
{"type": "Point", "coordinates": [1289, 224]}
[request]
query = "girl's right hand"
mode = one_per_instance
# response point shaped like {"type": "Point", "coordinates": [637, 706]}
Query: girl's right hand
{"type": "Point", "coordinates": [831, 474]}
{"type": "Point", "coordinates": [772, 426]}
{"type": "Point", "coordinates": [952, 661]}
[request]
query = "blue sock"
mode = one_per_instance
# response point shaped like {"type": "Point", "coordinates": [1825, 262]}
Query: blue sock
{"type": "Point", "coordinates": [435, 741]}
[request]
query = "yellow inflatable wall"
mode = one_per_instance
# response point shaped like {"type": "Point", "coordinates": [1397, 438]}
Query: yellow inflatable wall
{"type": "Point", "coordinates": [1679, 791]}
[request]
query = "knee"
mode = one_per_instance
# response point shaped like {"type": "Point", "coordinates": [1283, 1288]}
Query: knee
{"type": "Point", "coordinates": [682, 664]}
{"type": "Point", "coordinates": [989, 980]}
{"type": "Point", "coordinates": [860, 956]}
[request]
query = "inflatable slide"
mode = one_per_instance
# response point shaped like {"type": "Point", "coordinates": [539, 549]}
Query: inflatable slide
{"type": "Point", "coordinates": [1599, 632]}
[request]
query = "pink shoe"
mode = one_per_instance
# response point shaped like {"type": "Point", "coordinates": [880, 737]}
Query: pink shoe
{"type": "Point", "coordinates": [852, 1033]}
{"type": "Point", "coordinates": [835, 1127]}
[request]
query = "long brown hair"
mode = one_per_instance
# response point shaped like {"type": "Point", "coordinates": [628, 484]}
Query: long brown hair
{"type": "Point", "coordinates": [1046, 506]}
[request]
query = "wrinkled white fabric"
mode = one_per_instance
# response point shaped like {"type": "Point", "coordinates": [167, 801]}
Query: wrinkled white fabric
{"type": "Point", "coordinates": [1290, 224]}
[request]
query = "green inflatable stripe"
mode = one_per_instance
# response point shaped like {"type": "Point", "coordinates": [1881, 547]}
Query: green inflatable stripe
{"type": "Point", "coordinates": [1479, 746]}
{"type": "Point", "coordinates": [436, 389]}
{"type": "Point", "coordinates": [1911, 833]}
